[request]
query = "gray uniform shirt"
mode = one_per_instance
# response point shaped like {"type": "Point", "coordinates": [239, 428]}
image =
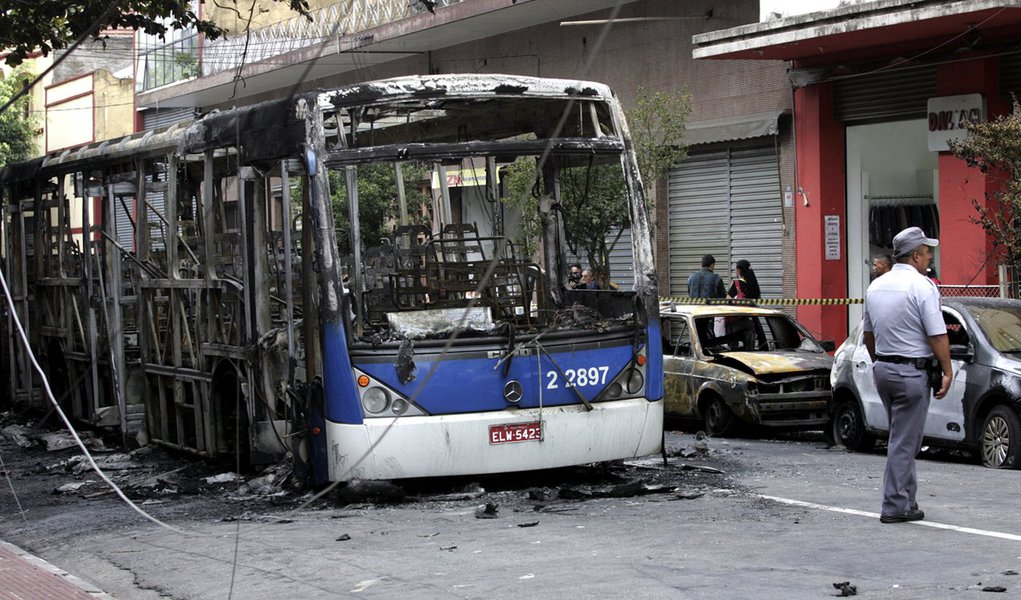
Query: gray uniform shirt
{"type": "Point", "coordinates": [902, 309]}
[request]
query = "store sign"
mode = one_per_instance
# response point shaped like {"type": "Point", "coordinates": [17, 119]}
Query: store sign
{"type": "Point", "coordinates": [948, 116]}
{"type": "Point", "coordinates": [832, 224]}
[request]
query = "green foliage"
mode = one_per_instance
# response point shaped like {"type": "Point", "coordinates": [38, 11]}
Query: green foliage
{"type": "Point", "coordinates": [377, 200]}
{"type": "Point", "coordinates": [994, 147]}
{"type": "Point", "coordinates": [594, 203]}
{"type": "Point", "coordinates": [187, 63]}
{"type": "Point", "coordinates": [657, 123]}
{"type": "Point", "coordinates": [17, 126]}
{"type": "Point", "coordinates": [49, 25]}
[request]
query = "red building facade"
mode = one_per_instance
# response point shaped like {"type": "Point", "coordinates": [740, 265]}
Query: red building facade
{"type": "Point", "coordinates": [878, 88]}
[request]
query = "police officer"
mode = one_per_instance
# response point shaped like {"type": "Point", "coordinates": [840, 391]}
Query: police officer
{"type": "Point", "coordinates": [904, 331]}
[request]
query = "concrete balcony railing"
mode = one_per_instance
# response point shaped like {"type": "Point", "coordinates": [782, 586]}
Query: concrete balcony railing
{"type": "Point", "coordinates": [184, 58]}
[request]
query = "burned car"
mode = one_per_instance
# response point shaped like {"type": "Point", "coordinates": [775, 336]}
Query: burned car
{"type": "Point", "coordinates": [980, 413]}
{"type": "Point", "coordinates": [731, 365]}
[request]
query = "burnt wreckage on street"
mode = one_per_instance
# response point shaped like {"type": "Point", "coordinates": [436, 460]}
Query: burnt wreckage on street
{"type": "Point", "coordinates": [207, 287]}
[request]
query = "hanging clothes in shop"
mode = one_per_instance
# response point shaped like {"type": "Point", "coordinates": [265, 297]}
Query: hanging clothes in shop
{"type": "Point", "coordinates": [888, 215]}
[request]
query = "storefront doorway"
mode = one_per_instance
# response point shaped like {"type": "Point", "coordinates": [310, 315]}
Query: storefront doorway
{"type": "Point", "coordinates": [892, 183]}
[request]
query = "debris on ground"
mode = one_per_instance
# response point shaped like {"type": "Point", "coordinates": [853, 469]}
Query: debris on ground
{"type": "Point", "coordinates": [689, 495]}
{"type": "Point", "coordinates": [846, 588]}
{"type": "Point", "coordinates": [472, 491]}
{"type": "Point", "coordinates": [701, 443]}
{"type": "Point", "coordinates": [222, 478]}
{"type": "Point", "coordinates": [994, 588]}
{"type": "Point", "coordinates": [529, 524]}
{"type": "Point", "coordinates": [487, 511]}
{"type": "Point", "coordinates": [57, 440]}
{"type": "Point", "coordinates": [269, 482]}
{"type": "Point", "coordinates": [343, 537]}
{"type": "Point", "coordinates": [70, 488]}
{"type": "Point", "coordinates": [360, 491]}
{"type": "Point", "coordinates": [702, 468]}
{"type": "Point", "coordinates": [19, 435]}
{"type": "Point", "coordinates": [110, 462]}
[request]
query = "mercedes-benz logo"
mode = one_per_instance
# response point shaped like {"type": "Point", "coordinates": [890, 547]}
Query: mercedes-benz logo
{"type": "Point", "coordinates": [512, 391]}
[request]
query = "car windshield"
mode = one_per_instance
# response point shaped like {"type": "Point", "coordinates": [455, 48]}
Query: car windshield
{"type": "Point", "coordinates": [1001, 324]}
{"type": "Point", "coordinates": [753, 333]}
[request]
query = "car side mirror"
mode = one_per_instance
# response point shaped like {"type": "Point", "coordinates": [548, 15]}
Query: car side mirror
{"type": "Point", "coordinates": [828, 345]}
{"type": "Point", "coordinates": [962, 352]}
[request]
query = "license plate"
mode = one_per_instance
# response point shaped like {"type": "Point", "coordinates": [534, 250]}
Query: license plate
{"type": "Point", "coordinates": [515, 432]}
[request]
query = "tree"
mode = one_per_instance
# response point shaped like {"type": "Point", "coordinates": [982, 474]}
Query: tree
{"type": "Point", "coordinates": [994, 147]}
{"type": "Point", "coordinates": [377, 200]}
{"type": "Point", "coordinates": [17, 125]}
{"type": "Point", "coordinates": [46, 25]}
{"type": "Point", "coordinates": [657, 123]}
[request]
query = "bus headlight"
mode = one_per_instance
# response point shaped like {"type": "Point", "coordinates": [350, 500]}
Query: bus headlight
{"type": "Point", "coordinates": [375, 400]}
{"type": "Point", "coordinates": [613, 392]}
{"type": "Point", "coordinates": [633, 381]}
{"type": "Point", "coordinates": [399, 406]}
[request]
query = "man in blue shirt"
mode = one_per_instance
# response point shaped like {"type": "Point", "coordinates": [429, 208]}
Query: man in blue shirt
{"type": "Point", "coordinates": [904, 331]}
{"type": "Point", "coordinates": [704, 283]}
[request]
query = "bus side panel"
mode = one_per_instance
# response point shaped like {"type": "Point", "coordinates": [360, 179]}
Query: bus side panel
{"type": "Point", "coordinates": [341, 398]}
{"type": "Point", "coordinates": [654, 364]}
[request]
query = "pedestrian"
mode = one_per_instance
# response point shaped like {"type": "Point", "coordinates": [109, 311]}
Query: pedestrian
{"type": "Point", "coordinates": [588, 281]}
{"type": "Point", "coordinates": [882, 264]}
{"type": "Point", "coordinates": [906, 338]}
{"type": "Point", "coordinates": [704, 283]}
{"type": "Point", "coordinates": [573, 275]}
{"type": "Point", "coordinates": [745, 284]}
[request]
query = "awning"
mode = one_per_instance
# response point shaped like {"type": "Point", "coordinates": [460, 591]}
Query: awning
{"type": "Point", "coordinates": [732, 128]}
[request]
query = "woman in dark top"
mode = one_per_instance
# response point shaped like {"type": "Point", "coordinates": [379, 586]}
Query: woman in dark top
{"type": "Point", "coordinates": [745, 285]}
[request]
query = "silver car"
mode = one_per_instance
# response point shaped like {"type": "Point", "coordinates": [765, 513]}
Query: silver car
{"type": "Point", "coordinates": [979, 413]}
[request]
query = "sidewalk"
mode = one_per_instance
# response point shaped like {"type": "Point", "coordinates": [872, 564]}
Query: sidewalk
{"type": "Point", "coordinates": [27, 577]}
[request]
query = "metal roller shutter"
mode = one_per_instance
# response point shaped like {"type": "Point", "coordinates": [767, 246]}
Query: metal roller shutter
{"type": "Point", "coordinates": [162, 117]}
{"type": "Point", "coordinates": [727, 204]}
{"type": "Point", "coordinates": [123, 222]}
{"type": "Point", "coordinates": [699, 190]}
{"type": "Point", "coordinates": [756, 220]}
{"type": "Point", "coordinates": [885, 96]}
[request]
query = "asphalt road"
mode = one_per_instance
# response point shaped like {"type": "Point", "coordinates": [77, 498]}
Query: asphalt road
{"type": "Point", "coordinates": [786, 519]}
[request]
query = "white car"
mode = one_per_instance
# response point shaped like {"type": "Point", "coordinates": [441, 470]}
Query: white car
{"type": "Point", "coordinates": [981, 410]}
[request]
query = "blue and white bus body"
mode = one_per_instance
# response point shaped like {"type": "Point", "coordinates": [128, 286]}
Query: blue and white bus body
{"type": "Point", "coordinates": [485, 403]}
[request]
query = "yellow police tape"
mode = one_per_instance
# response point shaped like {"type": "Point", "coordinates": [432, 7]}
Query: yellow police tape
{"type": "Point", "coordinates": [766, 301]}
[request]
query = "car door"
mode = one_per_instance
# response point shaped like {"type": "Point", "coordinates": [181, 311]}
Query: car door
{"type": "Point", "coordinates": [678, 363]}
{"type": "Point", "coordinates": [945, 420]}
{"type": "Point", "coordinates": [864, 382]}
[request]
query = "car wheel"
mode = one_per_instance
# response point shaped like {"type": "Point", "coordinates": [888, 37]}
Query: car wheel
{"type": "Point", "coordinates": [1001, 438]}
{"type": "Point", "coordinates": [717, 417]}
{"type": "Point", "coordinates": [848, 427]}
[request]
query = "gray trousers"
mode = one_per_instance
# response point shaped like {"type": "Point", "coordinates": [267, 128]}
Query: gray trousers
{"type": "Point", "coordinates": [905, 393]}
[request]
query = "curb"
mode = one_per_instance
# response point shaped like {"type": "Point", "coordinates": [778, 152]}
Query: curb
{"type": "Point", "coordinates": [39, 563]}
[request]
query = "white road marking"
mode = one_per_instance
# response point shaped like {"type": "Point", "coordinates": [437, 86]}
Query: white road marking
{"type": "Point", "coordinates": [864, 513]}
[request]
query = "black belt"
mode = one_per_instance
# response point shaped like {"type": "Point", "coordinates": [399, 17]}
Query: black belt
{"type": "Point", "coordinates": [919, 363]}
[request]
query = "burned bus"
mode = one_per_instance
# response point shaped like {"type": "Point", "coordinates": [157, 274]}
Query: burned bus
{"type": "Point", "coordinates": [339, 275]}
